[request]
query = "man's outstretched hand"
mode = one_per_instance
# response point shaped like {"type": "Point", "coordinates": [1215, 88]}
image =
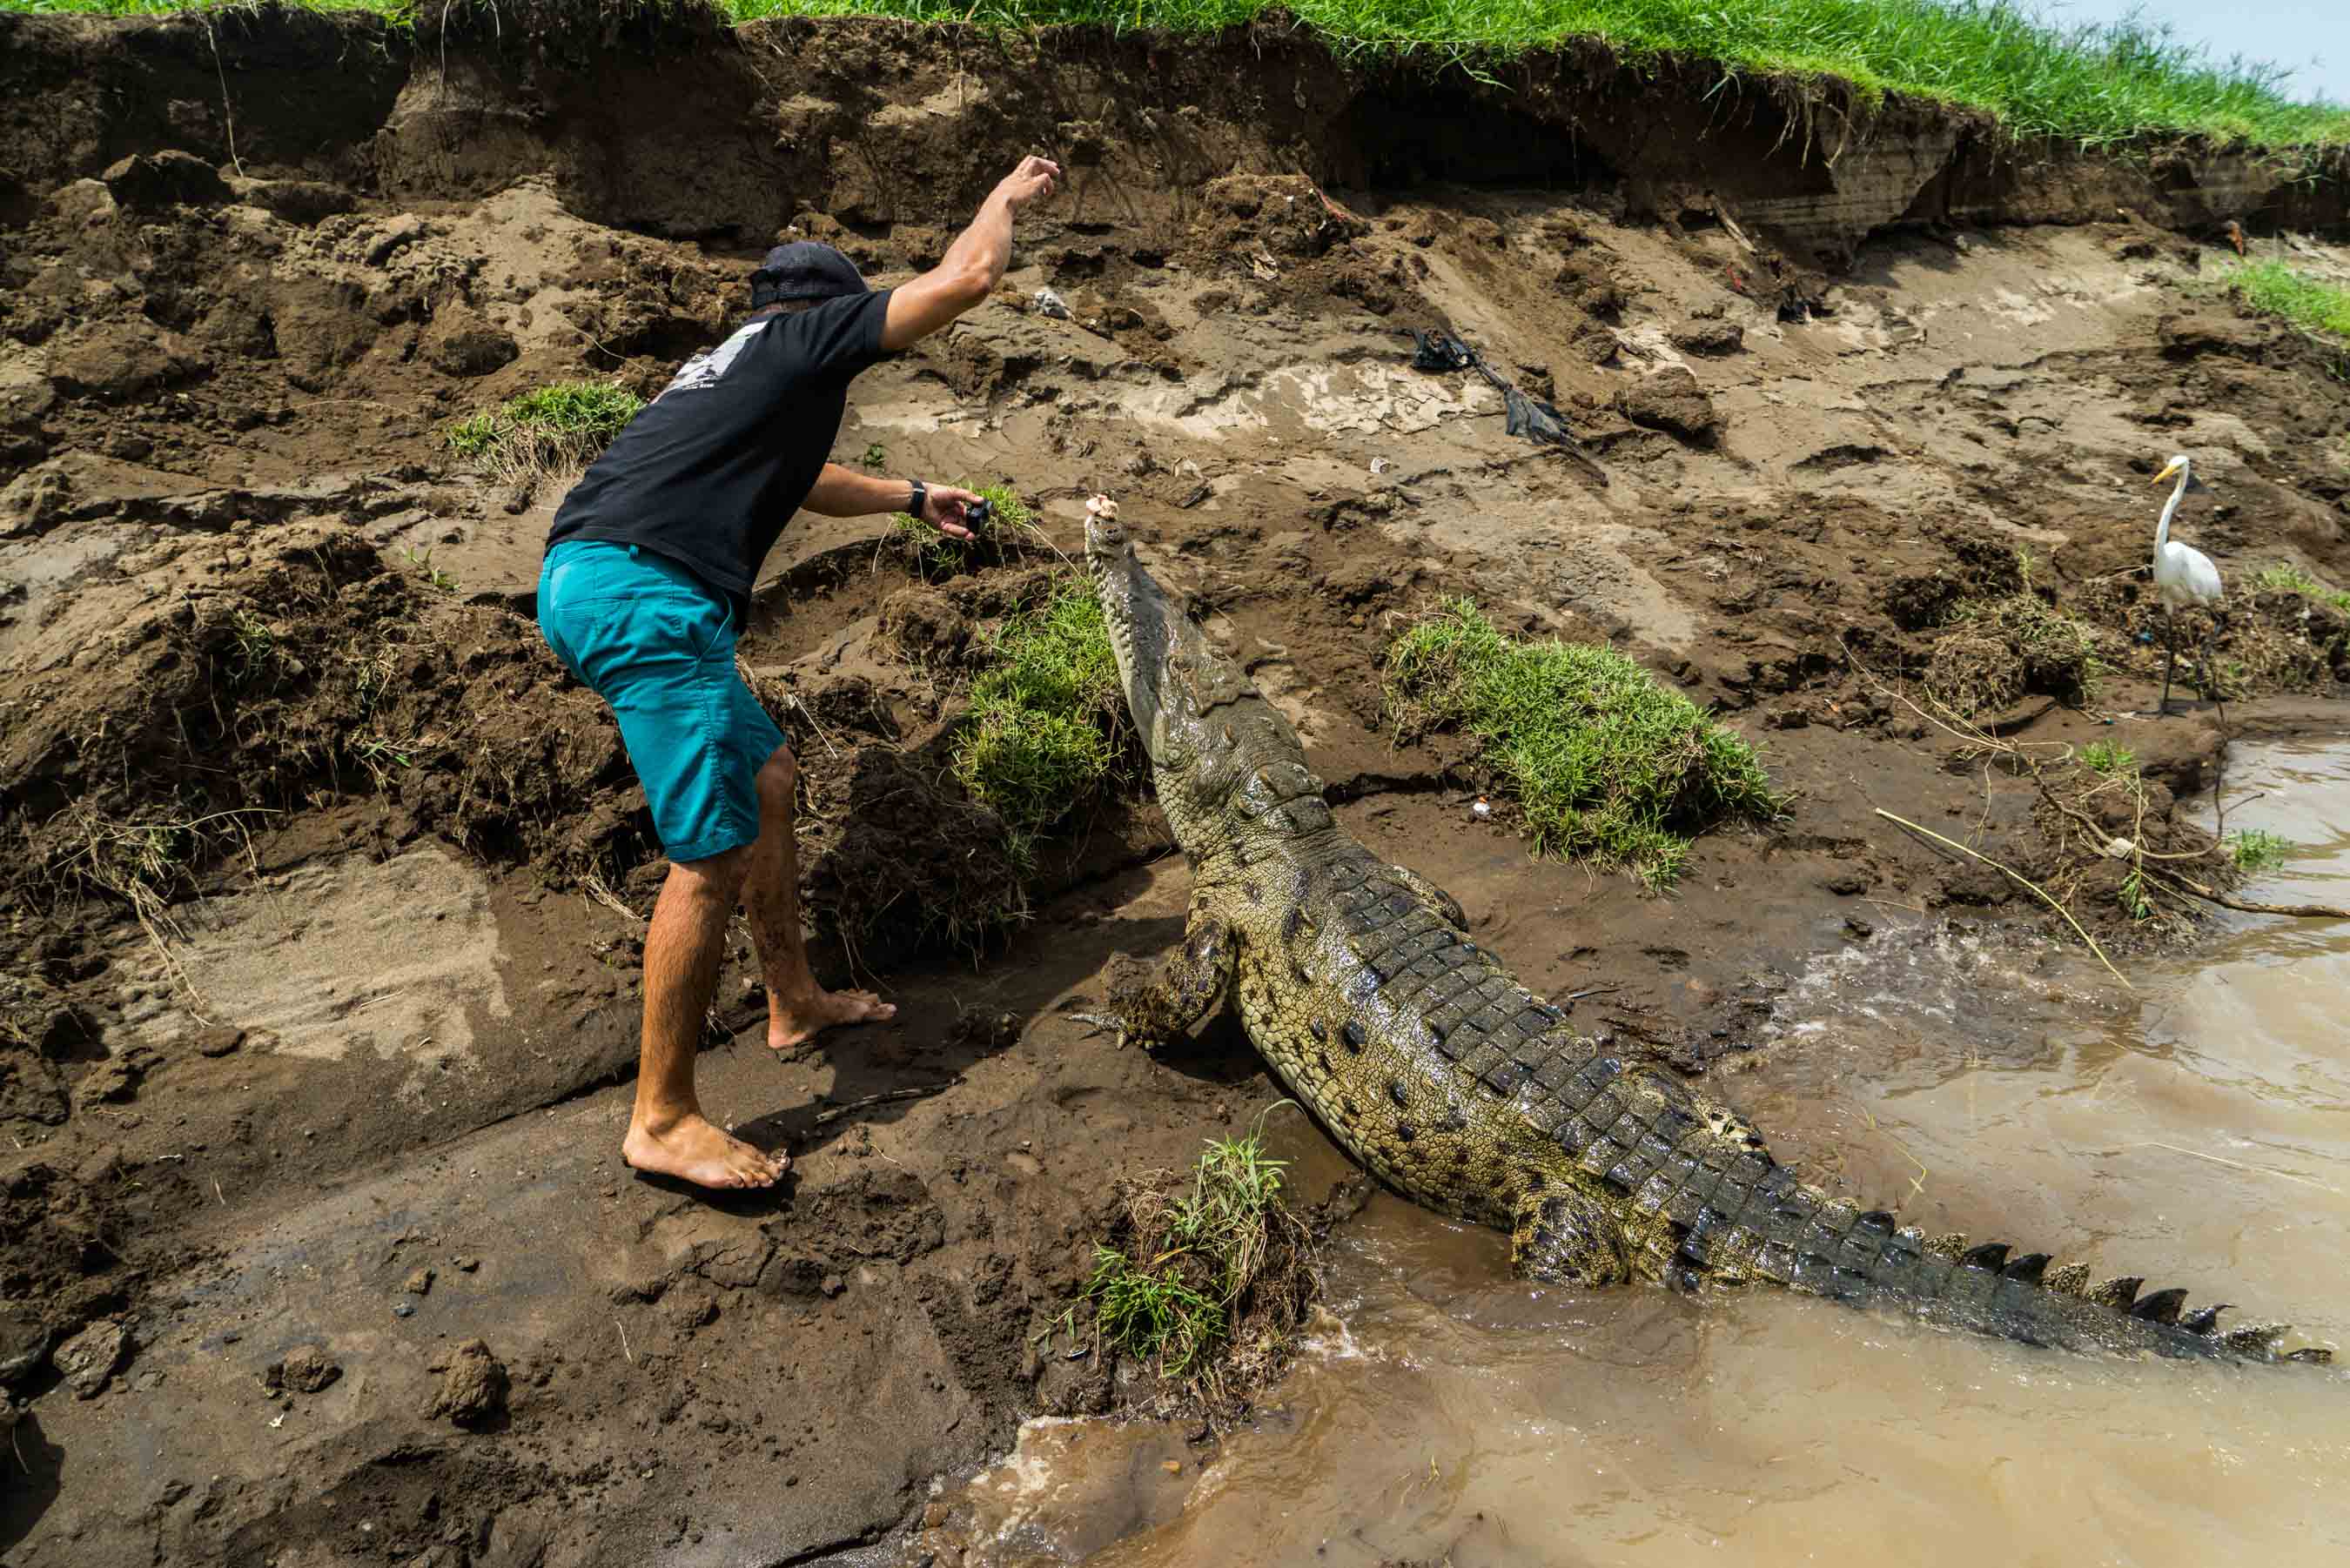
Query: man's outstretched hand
{"type": "Point", "coordinates": [947, 509]}
{"type": "Point", "coordinates": [1036, 177]}
{"type": "Point", "coordinates": [971, 267]}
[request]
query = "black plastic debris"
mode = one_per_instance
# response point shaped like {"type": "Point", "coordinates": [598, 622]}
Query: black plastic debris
{"type": "Point", "coordinates": [1437, 352]}
{"type": "Point", "coordinates": [1434, 350]}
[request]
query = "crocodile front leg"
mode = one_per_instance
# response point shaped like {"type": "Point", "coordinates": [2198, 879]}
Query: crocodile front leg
{"type": "Point", "coordinates": [1189, 984]}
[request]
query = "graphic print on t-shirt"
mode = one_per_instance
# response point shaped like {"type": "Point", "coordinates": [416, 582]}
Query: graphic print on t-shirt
{"type": "Point", "coordinates": [705, 368]}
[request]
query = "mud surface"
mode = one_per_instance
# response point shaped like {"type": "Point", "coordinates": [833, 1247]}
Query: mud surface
{"type": "Point", "coordinates": [327, 888]}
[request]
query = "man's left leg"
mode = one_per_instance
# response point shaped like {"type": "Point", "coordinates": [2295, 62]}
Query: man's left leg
{"type": "Point", "coordinates": [797, 1009]}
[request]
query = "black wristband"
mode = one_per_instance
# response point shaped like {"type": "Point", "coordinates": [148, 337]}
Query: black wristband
{"type": "Point", "coordinates": [921, 503]}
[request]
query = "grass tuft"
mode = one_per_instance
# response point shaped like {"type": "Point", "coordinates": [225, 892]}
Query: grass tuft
{"type": "Point", "coordinates": [2094, 83]}
{"type": "Point", "coordinates": [1607, 764]}
{"type": "Point", "coordinates": [2286, 579]}
{"type": "Point", "coordinates": [1042, 735]}
{"type": "Point", "coordinates": [552, 430]}
{"type": "Point", "coordinates": [2309, 303]}
{"type": "Point", "coordinates": [433, 575]}
{"type": "Point", "coordinates": [2106, 758]}
{"type": "Point", "coordinates": [2255, 850]}
{"type": "Point", "coordinates": [1227, 1253]}
{"type": "Point", "coordinates": [252, 653]}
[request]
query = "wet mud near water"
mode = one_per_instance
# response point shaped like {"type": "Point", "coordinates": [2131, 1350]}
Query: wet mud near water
{"type": "Point", "coordinates": [2193, 1130]}
{"type": "Point", "coordinates": [325, 889]}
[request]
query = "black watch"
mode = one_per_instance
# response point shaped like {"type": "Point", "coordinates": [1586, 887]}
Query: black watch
{"type": "Point", "coordinates": [920, 505]}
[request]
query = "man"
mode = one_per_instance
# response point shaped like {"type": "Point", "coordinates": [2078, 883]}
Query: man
{"type": "Point", "coordinates": [648, 581]}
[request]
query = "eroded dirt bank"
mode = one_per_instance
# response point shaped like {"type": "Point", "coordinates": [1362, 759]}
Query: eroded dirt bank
{"type": "Point", "coordinates": [324, 888]}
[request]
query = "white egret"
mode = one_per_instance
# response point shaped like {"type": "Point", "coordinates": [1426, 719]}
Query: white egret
{"type": "Point", "coordinates": [2183, 578]}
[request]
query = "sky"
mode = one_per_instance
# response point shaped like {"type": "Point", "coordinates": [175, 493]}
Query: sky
{"type": "Point", "coordinates": [2292, 33]}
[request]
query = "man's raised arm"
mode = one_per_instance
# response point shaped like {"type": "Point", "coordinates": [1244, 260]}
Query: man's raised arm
{"type": "Point", "coordinates": [972, 266]}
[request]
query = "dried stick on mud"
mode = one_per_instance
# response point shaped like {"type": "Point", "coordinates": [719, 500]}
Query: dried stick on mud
{"type": "Point", "coordinates": [850, 1107]}
{"type": "Point", "coordinates": [2254, 906]}
{"type": "Point", "coordinates": [2174, 881]}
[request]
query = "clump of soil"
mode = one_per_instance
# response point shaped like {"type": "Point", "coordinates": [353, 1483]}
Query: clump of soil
{"type": "Point", "coordinates": [306, 1369]}
{"type": "Point", "coordinates": [1980, 567]}
{"type": "Point", "coordinates": [2006, 649]}
{"type": "Point", "coordinates": [1711, 338]}
{"type": "Point", "coordinates": [39, 1025]}
{"type": "Point", "coordinates": [1283, 215]}
{"type": "Point", "coordinates": [1587, 279]}
{"type": "Point", "coordinates": [472, 1392]}
{"type": "Point", "coordinates": [1671, 400]}
{"type": "Point", "coordinates": [65, 1238]}
{"type": "Point", "coordinates": [898, 858]}
{"type": "Point", "coordinates": [294, 646]}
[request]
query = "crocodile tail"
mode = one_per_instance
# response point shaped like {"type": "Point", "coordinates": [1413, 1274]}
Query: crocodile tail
{"type": "Point", "coordinates": [1790, 1234]}
{"type": "Point", "coordinates": [1989, 1287]}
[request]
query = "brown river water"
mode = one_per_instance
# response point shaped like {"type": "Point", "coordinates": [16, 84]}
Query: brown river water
{"type": "Point", "coordinates": [2195, 1129]}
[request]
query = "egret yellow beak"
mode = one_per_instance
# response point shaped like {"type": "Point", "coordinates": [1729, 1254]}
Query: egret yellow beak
{"type": "Point", "coordinates": [2167, 470]}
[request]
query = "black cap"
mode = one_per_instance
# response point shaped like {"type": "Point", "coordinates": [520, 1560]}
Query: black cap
{"type": "Point", "coordinates": [803, 270]}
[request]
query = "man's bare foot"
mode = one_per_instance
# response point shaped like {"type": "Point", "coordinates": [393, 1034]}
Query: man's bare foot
{"type": "Point", "coordinates": [802, 1022]}
{"type": "Point", "coordinates": [691, 1149]}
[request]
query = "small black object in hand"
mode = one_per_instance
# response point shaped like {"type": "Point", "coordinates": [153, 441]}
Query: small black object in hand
{"type": "Point", "coordinates": [976, 514]}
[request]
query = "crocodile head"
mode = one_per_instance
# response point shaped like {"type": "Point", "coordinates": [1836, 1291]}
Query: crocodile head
{"type": "Point", "coordinates": [1220, 753]}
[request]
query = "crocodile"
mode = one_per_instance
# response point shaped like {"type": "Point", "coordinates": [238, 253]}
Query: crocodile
{"type": "Point", "coordinates": [1464, 1091]}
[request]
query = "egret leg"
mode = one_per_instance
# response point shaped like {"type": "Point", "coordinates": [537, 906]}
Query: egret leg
{"type": "Point", "coordinates": [2204, 662]}
{"type": "Point", "coordinates": [2171, 658]}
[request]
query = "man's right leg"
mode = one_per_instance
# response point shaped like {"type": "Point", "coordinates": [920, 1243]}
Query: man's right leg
{"type": "Point", "coordinates": [668, 1133]}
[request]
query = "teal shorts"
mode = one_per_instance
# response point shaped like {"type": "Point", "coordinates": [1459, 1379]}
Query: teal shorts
{"type": "Point", "coordinates": [657, 644]}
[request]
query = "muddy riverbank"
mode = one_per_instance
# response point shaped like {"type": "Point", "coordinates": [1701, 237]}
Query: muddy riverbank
{"type": "Point", "coordinates": [326, 887]}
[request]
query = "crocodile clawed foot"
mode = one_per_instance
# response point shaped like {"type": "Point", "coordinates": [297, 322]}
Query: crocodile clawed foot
{"type": "Point", "coordinates": [1102, 1023]}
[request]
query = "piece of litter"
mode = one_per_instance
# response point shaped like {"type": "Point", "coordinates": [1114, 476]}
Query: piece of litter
{"type": "Point", "coordinates": [1052, 304]}
{"type": "Point", "coordinates": [1379, 466]}
{"type": "Point", "coordinates": [276, 1422]}
{"type": "Point", "coordinates": [2120, 848]}
{"type": "Point", "coordinates": [1482, 808]}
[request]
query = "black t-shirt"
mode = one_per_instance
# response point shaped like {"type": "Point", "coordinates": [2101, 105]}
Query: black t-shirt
{"type": "Point", "coordinates": [711, 471]}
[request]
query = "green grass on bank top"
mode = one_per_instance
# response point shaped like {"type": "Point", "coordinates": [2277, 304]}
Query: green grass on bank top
{"type": "Point", "coordinates": [2093, 83]}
